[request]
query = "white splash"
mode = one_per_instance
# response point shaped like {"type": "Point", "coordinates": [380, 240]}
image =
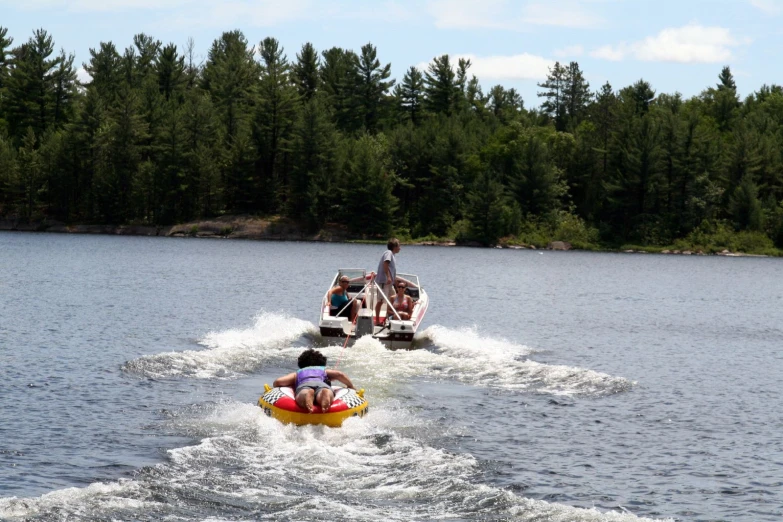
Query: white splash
{"type": "Point", "coordinates": [229, 353]}
{"type": "Point", "coordinates": [464, 356]}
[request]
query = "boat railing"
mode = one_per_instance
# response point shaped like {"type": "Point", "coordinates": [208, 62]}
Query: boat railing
{"type": "Point", "coordinates": [389, 305]}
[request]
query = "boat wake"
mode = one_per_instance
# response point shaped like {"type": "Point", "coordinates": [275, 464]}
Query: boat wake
{"type": "Point", "coordinates": [465, 356]}
{"type": "Point", "coordinates": [462, 355]}
{"type": "Point", "coordinates": [248, 466]}
{"type": "Point", "coordinates": [230, 353]}
{"type": "Point", "coordinates": [385, 466]}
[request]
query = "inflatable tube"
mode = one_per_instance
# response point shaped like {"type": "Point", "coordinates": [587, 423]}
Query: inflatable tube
{"type": "Point", "coordinates": [280, 404]}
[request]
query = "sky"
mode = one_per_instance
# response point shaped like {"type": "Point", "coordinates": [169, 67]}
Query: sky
{"type": "Point", "coordinates": [675, 46]}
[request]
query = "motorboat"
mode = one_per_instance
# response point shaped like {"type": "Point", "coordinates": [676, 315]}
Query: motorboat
{"type": "Point", "coordinates": [389, 327]}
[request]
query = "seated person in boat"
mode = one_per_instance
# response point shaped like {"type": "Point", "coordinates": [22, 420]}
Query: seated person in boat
{"type": "Point", "coordinates": [338, 299]}
{"type": "Point", "coordinates": [402, 302]}
{"type": "Point", "coordinates": [311, 381]}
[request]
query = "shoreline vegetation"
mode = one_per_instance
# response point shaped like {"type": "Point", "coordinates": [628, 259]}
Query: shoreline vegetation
{"type": "Point", "coordinates": [281, 228]}
{"type": "Point", "coordinates": [325, 145]}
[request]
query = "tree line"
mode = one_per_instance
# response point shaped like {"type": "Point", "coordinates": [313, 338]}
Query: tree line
{"type": "Point", "coordinates": [159, 137]}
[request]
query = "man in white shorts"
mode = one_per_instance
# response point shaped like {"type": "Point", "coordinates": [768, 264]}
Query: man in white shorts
{"type": "Point", "coordinates": [387, 275]}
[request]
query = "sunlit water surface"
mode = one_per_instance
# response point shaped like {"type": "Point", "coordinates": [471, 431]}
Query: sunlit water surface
{"type": "Point", "coordinates": [548, 386]}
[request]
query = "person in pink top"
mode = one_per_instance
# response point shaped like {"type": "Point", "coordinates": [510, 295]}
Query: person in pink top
{"type": "Point", "coordinates": [402, 302]}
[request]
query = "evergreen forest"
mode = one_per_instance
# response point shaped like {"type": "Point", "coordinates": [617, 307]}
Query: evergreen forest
{"type": "Point", "coordinates": [159, 136]}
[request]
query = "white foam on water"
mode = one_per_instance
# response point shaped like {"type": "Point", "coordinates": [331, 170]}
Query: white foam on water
{"type": "Point", "coordinates": [79, 502]}
{"type": "Point", "coordinates": [249, 466]}
{"type": "Point", "coordinates": [464, 356]}
{"type": "Point", "coordinates": [229, 353]}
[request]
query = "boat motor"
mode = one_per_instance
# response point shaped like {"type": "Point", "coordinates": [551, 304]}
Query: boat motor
{"type": "Point", "coordinates": [364, 324]}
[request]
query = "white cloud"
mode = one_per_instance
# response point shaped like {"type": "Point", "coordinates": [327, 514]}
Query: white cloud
{"type": "Point", "coordinates": [770, 7]}
{"type": "Point", "coordinates": [465, 14]}
{"type": "Point", "coordinates": [105, 5]}
{"type": "Point", "coordinates": [560, 14]}
{"type": "Point", "coordinates": [611, 53]}
{"type": "Point", "coordinates": [259, 13]}
{"type": "Point", "coordinates": [83, 76]}
{"type": "Point", "coordinates": [229, 13]}
{"type": "Point", "coordinates": [515, 67]}
{"type": "Point", "coordinates": [570, 51]}
{"type": "Point", "coordinates": [510, 15]}
{"type": "Point", "coordinates": [688, 44]}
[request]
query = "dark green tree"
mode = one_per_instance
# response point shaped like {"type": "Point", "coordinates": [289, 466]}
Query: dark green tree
{"type": "Point", "coordinates": [440, 86]}
{"type": "Point", "coordinates": [306, 72]}
{"type": "Point", "coordinates": [5, 56]}
{"type": "Point", "coordinates": [170, 69]}
{"type": "Point", "coordinates": [275, 117]}
{"type": "Point", "coordinates": [30, 92]}
{"type": "Point", "coordinates": [340, 78]}
{"type": "Point", "coordinates": [368, 202]}
{"type": "Point", "coordinates": [313, 192]}
{"type": "Point", "coordinates": [745, 207]}
{"type": "Point", "coordinates": [105, 71]}
{"type": "Point", "coordinates": [554, 94]}
{"type": "Point", "coordinates": [373, 86]}
{"type": "Point", "coordinates": [230, 77]}
{"type": "Point", "coordinates": [576, 95]}
{"type": "Point", "coordinates": [410, 96]}
{"type": "Point", "coordinates": [490, 210]}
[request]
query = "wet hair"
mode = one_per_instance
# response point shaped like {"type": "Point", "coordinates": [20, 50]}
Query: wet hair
{"type": "Point", "coordinates": [393, 243]}
{"type": "Point", "coordinates": [311, 357]}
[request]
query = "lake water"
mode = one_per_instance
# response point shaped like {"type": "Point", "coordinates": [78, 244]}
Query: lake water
{"type": "Point", "coordinates": [548, 386]}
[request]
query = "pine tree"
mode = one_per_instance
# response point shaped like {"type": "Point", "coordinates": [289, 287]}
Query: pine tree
{"type": "Point", "coordinates": [745, 207]}
{"type": "Point", "coordinates": [489, 209]}
{"type": "Point", "coordinates": [305, 72]}
{"type": "Point", "coordinates": [31, 177]}
{"type": "Point", "coordinates": [170, 69]}
{"type": "Point", "coordinates": [636, 171]}
{"type": "Point", "coordinates": [5, 65]}
{"type": "Point", "coordinates": [576, 95]}
{"type": "Point", "coordinates": [554, 95]}
{"type": "Point", "coordinates": [505, 103]}
{"type": "Point", "coordinates": [373, 86]}
{"type": "Point", "coordinates": [104, 69]}
{"type": "Point", "coordinates": [440, 86]}
{"type": "Point", "coordinates": [278, 101]}
{"type": "Point", "coordinates": [725, 99]}
{"type": "Point", "coordinates": [64, 85]}
{"type": "Point", "coordinates": [30, 88]}
{"type": "Point", "coordinates": [312, 191]}
{"type": "Point", "coordinates": [367, 188]}
{"type": "Point", "coordinates": [230, 76]}
{"type": "Point", "coordinates": [640, 94]}
{"type": "Point", "coordinates": [410, 95]}
{"type": "Point", "coordinates": [340, 79]}
{"type": "Point", "coordinates": [8, 175]}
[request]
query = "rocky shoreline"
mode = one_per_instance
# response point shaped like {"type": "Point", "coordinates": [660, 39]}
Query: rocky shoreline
{"type": "Point", "coordinates": [278, 229]}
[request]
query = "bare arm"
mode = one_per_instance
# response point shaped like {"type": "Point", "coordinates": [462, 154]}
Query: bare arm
{"type": "Point", "coordinates": [285, 380]}
{"type": "Point", "coordinates": [336, 375]}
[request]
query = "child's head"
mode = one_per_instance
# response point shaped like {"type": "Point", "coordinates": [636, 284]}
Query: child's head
{"type": "Point", "coordinates": [311, 358]}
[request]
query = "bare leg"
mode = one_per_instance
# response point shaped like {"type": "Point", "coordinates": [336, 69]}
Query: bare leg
{"type": "Point", "coordinates": [304, 399]}
{"type": "Point", "coordinates": [325, 398]}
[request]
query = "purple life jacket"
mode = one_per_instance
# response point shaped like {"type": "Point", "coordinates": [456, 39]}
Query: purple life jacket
{"type": "Point", "coordinates": [310, 373]}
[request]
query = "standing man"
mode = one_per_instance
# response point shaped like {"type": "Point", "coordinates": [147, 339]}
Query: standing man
{"type": "Point", "coordinates": [387, 274]}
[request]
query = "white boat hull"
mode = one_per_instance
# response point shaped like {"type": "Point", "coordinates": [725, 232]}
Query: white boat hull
{"type": "Point", "coordinates": [393, 332]}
